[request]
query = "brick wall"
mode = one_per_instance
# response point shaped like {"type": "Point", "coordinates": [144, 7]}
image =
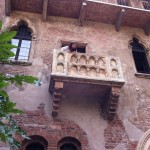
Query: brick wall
{"type": "Point", "coordinates": [37, 123]}
{"type": "Point", "coordinates": [80, 118]}
{"type": "Point", "coordinates": [115, 134]}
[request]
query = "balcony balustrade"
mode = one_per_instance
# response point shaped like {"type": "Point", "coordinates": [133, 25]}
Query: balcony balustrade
{"type": "Point", "coordinates": [101, 73]}
{"type": "Point", "coordinates": [122, 2]}
{"type": "Point", "coordinates": [84, 66]}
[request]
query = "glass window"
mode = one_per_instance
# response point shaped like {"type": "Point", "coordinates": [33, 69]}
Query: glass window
{"type": "Point", "coordinates": [23, 41]}
{"type": "Point", "coordinates": [140, 57]}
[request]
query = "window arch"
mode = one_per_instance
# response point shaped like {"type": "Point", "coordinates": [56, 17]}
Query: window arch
{"type": "Point", "coordinates": [140, 57]}
{"type": "Point", "coordinates": [36, 143]}
{"type": "Point", "coordinates": [69, 143]}
{"type": "Point", "coordinates": [23, 41]}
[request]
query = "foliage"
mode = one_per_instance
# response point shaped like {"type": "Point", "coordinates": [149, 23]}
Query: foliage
{"type": "Point", "coordinates": [8, 127]}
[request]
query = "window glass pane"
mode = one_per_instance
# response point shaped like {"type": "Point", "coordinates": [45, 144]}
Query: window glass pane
{"type": "Point", "coordinates": [15, 42]}
{"type": "Point", "coordinates": [24, 50]}
{"type": "Point", "coordinates": [14, 50]}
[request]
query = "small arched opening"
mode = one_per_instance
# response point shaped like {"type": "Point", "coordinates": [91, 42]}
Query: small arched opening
{"type": "Point", "coordinates": [35, 143]}
{"type": "Point", "coordinates": [69, 143]}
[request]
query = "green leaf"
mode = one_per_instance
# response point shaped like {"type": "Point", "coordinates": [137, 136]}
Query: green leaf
{"type": "Point", "coordinates": [3, 84]}
{"type": "Point", "coordinates": [3, 137]}
{"type": "Point", "coordinates": [7, 46]}
{"type": "Point", "coordinates": [7, 36]}
{"type": "Point", "coordinates": [6, 53]}
{"type": "Point", "coordinates": [0, 24]}
{"type": "Point", "coordinates": [4, 94]}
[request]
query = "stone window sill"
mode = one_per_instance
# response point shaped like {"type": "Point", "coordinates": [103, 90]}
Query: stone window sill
{"type": "Point", "coordinates": [17, 62]}
{"type": "Point", "coordinates": [142, 75]}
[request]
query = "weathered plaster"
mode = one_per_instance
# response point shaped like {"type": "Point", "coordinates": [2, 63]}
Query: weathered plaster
{"type": "Point", "coordinates": [133, 132]}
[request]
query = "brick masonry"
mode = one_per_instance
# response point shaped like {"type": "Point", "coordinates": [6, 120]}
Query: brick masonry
{"type": "Point", "coordinates": [115, 134]}
{"type": "Point", "coordinates": [80, 118]}
{"type": "Point", "coordinates": [37, 123]}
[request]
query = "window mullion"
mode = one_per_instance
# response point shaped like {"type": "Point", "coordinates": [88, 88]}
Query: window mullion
{"type": "Point", "coordinates": [18, 49]}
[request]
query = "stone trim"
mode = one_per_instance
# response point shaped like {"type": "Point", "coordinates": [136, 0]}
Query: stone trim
{"type": "Point", "coordinates": [144, 143]}
{"type": "Point", "coordinates": [17, 62]}
{"type": "Point", "coordinates": [142, 75]}
{"type": "Point", "coordinates": [13, 23]}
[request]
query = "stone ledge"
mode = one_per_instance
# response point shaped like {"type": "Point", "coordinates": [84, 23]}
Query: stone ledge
{"type": "Point", "coordinates": [142, 75]}
{"type": "Point", "coordinates": [17, 62]}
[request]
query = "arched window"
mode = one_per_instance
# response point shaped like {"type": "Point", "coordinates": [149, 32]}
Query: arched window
{"type": "Point", "coordinates": [23, 41]}
{"type": "Point", "coordinates": [69, 143]}
{"type": "Point", "coordinates": [35, 146]}
{"type": "Point", "coordinates": [140, 57]}
{"type": "Point", "coordinates": [36, 143]}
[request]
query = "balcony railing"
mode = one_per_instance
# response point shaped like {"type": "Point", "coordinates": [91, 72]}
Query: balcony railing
{"type": "Point", "coordinates": [146, 5]}
{"type": "Point", "coordinates": [122, 2]}
{"type": "Point", "coordinates": [86, 66]}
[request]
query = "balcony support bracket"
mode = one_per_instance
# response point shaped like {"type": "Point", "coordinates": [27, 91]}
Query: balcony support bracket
{"type": "Point", "coordinates": [82, 13]}
{"type": "Point", "coordinates": [45, 7]}
{"type": "Point", "coordinates": [147, 28]}
{"type": "Point", "coordinates": [110, 105]}
{"type": "Point", "coordinates": [56, 92]}
{"type": "Point", "coordinates": [119, 20]}
{"type": "Point", "coordinates": [8, 7]}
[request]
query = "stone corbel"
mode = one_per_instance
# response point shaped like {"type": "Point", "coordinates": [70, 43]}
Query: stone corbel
{"type": "Point", "coordinates": [120, 20]}
{"type": "Point", "coordinates": [8, 7]}
{"type": "Point", "coordinates": [82, 13]}
{"type": "Point", "coordinates": [45, 8]}
{"type": "Point", "coordinates": [110, 105]}
{"type": "Point", "coordinates": [56, 88]}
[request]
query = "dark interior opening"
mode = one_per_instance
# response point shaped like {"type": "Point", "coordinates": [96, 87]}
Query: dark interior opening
{"type": "Point", "coordinates": [81, 47]}
{"type": "Point", "coordinates": [35, 146]}
{"type": "Point", "coordinates": [141, 62]}
{"type": "Point", "coordinates": [68, 146]}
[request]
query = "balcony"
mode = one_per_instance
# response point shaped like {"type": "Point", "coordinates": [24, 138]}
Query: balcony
{"type": "Point", "coordinates": [91, 76]}
{"type": "Point", "coordinates": [118, 14]}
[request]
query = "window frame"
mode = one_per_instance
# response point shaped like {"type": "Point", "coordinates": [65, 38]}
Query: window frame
{"type": "Point", "coordinates": [21, 38]}
{"type": "Point", "coordinates": [141, 74]}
